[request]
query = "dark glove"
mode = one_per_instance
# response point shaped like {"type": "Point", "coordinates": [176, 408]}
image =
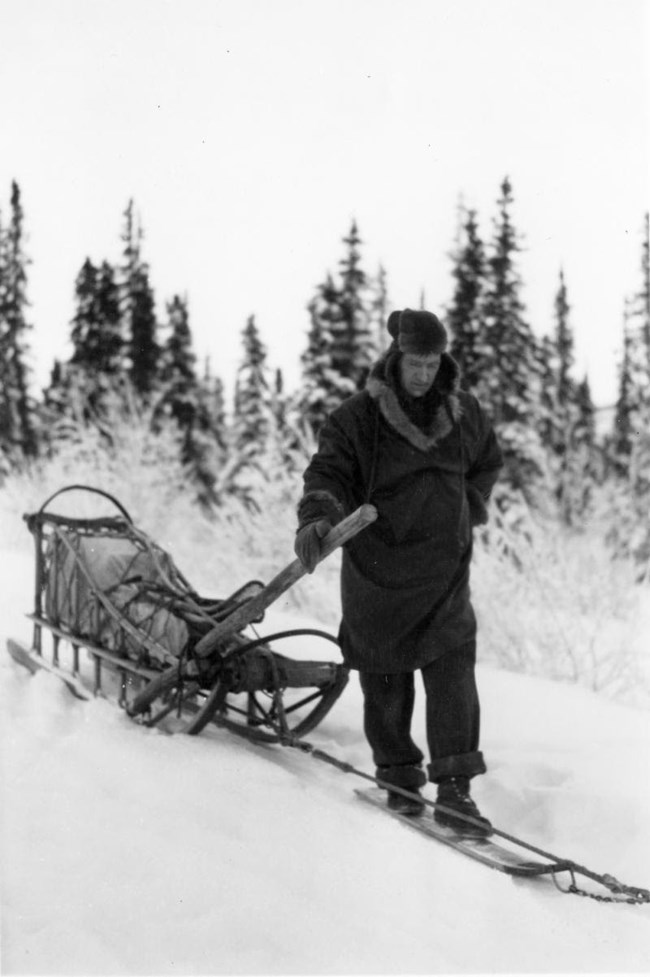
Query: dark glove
{"type": "Point", "coordinates": [308, 543]}
{"type": "Point", "coordinates": [478, 513]}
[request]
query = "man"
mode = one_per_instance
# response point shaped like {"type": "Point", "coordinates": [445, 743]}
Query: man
{"type": "Point", "coordinates": [424, 453]}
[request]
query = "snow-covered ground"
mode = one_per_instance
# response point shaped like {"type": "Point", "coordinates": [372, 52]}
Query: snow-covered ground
{"type": "Point", "coordinates": [126, 851]}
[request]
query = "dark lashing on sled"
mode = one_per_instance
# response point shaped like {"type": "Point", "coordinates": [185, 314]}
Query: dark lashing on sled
{"type": "Point", "coordinates": [121, 620]}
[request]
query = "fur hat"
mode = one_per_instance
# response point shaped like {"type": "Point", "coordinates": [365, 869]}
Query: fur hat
{"type": "Point", "coordinates": [419, 332]}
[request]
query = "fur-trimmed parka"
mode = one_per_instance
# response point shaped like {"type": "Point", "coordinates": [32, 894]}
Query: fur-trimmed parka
{"type": "Point", "coordinates": [428, 465]}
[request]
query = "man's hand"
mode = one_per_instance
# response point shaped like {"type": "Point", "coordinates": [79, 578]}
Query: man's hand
{"type": "Point", "coordinates": [478, 512]}
{"type": "Point", "coordinates": [308, 543]}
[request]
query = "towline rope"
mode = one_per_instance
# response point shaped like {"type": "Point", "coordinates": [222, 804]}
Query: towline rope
{"type": "Point", "coordinates": [633, 895]}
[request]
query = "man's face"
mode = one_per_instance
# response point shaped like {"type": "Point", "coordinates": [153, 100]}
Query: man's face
{"type": "Point", "coordinates": [417, 373]}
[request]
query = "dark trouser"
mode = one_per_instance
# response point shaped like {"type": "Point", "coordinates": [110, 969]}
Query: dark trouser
{"type": "Point", "coordinates": [452, 720]}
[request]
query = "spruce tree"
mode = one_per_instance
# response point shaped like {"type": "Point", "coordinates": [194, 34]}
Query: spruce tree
{"type": "Point", "coordinates": [354, 346]}
{"type": "Point", "coordinates": [138, 308]}
{"type": "Point", "coordinates": [638, 469]}
{"type": "Point", "coordinates": [509, 345]}
{"type": "Point", "coordinates": [585, 424]}
{"type": "Point", "coordinates": [279, 403]}
{"type": "Point", "coordinates": [558, 388]}
{"type": "Point", "coordinates": [323, 388]}
{"type": "Point", "coordinates": [340, 342]}
{"type": "Point", "coordinates": [178, 365]}
{"type": "Point", "coordinates": [84, 385]}
{"type": "Point", "coordinates": [634, 380]}
{"type": "Point", "coordinates": [564, 344]}
{"type": "Point", "coordinates": [630, 530]}
{"type": "Point", "coordinates": [378, 310]}
{"type": "Point", "coordinates": [8, 415]}
{"type": "Point", "coordinates": [96, 328]}
{"type": "Point", "coordinates": [464, 315]}
{"type": "Point", "coordinates": [565, 419]}
{"type": "Point", "coordinates": [548, 423]}
{"type": "Point", "coordinates": [212, 406]}
{"type": "Point", "coordinates": [580, 466]}
{"type": "Point", "coordinates": [111, 344]}
{"type": "Point", "coordinates": [509, 385]}
{"type": "Point", "coordinates": [252, 399]}
{"type": "Point", "coordinates": [643, 297]}
{"type": "Point", "coordinates": [574, 434]}
{"type": "Point", "coordinates": [17, 426]}
{"type": "Point", "coordinates": [207, 448]}
{"type": "Point", "coordinates": [79, 385]}
{"type": "Point", "coordinates": [621, 440]}
{"type": "Point", "coordinates": [83, 334]}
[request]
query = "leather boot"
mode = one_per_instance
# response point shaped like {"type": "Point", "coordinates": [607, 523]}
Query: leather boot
{"type": "Point", "coordinates": [454, 793]}
{"type": "Point", "coordinates": [412, 806]}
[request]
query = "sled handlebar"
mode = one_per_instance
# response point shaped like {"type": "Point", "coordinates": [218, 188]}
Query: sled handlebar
{"type": "Point", "coordinates": [254, 607]}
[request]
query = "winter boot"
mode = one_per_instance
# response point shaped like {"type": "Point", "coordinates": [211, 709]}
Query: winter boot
{"type": "Point", "coordinates": [453, 792]}
{"type": "Point", "coordinates": [412, 806]}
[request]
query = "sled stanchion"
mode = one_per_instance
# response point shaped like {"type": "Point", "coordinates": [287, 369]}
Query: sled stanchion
{"type": "Point", "coordinates": [254, 607]}
{"type": "Point", "coordinates": [123, 688]}
{"type": "Point", "coordinates": [98, 674]}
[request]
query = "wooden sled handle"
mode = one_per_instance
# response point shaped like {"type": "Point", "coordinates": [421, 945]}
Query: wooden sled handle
{"type": "Point", "coordinates": [254, 607]}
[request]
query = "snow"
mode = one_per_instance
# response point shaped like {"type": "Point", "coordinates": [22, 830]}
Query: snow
{"type": "Point", "coordinates": [128, 851]}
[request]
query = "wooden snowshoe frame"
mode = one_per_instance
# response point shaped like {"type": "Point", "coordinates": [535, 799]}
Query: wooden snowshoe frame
{"type": "Point", "coordinates": [120, 620]}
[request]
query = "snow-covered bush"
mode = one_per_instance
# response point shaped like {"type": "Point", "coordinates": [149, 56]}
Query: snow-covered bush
{"type": "Point", "coordinates": [217, 549]}
{"type": "Point", "coordinates": [552, 602]}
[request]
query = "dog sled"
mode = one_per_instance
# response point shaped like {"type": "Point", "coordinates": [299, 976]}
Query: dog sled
{"type": "Point", "coordinates": [113, 616]}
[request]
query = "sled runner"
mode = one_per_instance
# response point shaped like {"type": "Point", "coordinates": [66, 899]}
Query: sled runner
{"type": "Point", "coordinates": [114, 616]}
{"type": "Point", "coordinates": [493, 853]}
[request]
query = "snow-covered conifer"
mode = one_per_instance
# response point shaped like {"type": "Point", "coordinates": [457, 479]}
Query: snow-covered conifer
{"type": "Point", "coordinates": [630, 533]}
{"type": "Point", "coordinates": [17, 427]}
{"type": "Point", "coordinates": [511, 381]}
{"type": "Point", "coordinates": [177, 373]}
{"type": "Point", "coordinates": [378, 309]}
{"type": "Point", "coordinates": [355, 346]}
{"type": "Point", "coordinates": [464, 315]}
{"type": "Point", "coordinates": [341, 342]}
{"type": "Point", "coordinates": [253, 397]}
{"type": "Point", "coordinates": [138, 307]}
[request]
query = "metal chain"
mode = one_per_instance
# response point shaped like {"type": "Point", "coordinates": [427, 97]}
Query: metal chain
{"type": "Point", "coordinates": [575, 890]}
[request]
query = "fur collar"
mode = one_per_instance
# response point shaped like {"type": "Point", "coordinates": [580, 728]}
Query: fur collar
{"type": "Point", "coordinates": [381, 386]}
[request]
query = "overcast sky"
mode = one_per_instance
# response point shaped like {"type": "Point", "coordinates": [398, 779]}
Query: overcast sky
{"type": "Point", "coordinates": [251, 132]}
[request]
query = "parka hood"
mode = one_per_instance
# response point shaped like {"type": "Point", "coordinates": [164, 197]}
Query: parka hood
{"type": "Point", "coordinates": [443, 400]}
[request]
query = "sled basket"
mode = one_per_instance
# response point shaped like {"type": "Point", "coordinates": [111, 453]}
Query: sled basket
{"type": "Point", "coordinates": [122, 621]}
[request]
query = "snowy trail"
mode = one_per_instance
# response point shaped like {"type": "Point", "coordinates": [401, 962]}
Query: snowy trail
{"type": "Point", "coordinates": [126, 851]}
